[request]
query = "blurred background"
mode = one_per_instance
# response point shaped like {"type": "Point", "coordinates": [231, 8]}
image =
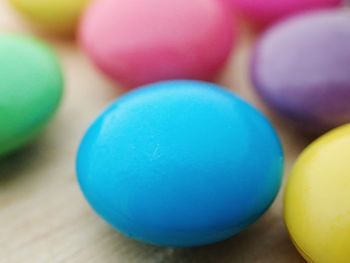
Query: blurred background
{"type": "Point", "coordinates": [43, 215]}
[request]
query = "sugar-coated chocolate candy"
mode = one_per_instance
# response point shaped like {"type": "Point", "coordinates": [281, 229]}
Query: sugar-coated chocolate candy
{"type": "Point", "coordinates": [265, 12]}
{"type": "Point", "coordinates": [317, 199]}
{"type": "Point", "coordinates": [137, 42]}
{"type": "Point", "coordinates": [180, 163]}
{"type": "Point", "coordinates": [30, 89]}
{"type": "Point", "coordinates": [301, 69]}
{"type": "Point", "coordinates": [59, 16]}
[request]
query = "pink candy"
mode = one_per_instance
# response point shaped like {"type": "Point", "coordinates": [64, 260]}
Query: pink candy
{"type": "Point", "coordinates": [263, 12]}
{"type": "Point", "coordinates": [136, 42]}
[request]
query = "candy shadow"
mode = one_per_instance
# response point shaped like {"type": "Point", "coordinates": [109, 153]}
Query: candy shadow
{"type": "Point", "coordinates": [15, 165]}
{"type": "Point", "coordinates": [266, 241]}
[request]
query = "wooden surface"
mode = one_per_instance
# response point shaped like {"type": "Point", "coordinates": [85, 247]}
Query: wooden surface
{"type": "Point", "coordinates": [43, 216]}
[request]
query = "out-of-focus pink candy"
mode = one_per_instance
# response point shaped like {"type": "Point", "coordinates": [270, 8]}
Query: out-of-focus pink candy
{"type": "Point", "coordinates": [136, 42]}
{"type": "Point", "coordinates": [264, 12]}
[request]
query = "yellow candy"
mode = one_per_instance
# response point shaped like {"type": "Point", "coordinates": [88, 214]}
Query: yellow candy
{"type": "Point", "coordinates": [55, 15]}
{"type": "Point", "coordinates": [317, 199]}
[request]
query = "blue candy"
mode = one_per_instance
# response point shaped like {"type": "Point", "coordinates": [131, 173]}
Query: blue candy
{"type": "Point", "coordinates": [180, 163]}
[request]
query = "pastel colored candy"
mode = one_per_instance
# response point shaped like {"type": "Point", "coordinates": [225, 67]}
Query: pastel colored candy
{"type": "Point", "coordinates": [55, 15]}
{"type": "Point", "coordinates": [301, 68]}
{"type": "Point", "coordinates": [137, 42]}
{"type": "Point", "coordinates": [180, 163]}
{"type": "Point", "coordinates": [265, 12]}
{"type": "Point", "coordinates": [30, 89]}
{"type": "Point", "coordinates": [317, 199]}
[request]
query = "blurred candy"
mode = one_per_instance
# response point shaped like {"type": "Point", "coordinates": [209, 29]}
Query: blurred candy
{"type": "Point", "coordinates": [30, 89]}
{"type": "Point", "coordinates": [302, 69]}
{"type": "Point", "coordinates": [180, 163]}
{"type": "Point", "coordinates": [56, 15]}
{"type": "Point", "coordinates": [317, 200]}
{"type": "Point", "coordinates": [137, 42]}
{"type": "Point", "coordinates": [264, 12]}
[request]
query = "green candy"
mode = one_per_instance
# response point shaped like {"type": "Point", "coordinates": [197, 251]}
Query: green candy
{"type": "Point", "coordinates": [31, 86]}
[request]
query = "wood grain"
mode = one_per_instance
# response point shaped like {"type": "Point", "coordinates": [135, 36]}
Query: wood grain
{"type": "Point", "coordinates": [43, 216]}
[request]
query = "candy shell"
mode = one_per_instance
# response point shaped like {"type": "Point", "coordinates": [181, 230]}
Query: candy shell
{"type": "Point", "coordinates": [30, 89]}
{"type": "Point", "coordinates": [53, 15]}
{"type": "Point", "coordinates": [301, 69]}
{"type": "Point", "coordinates": [180, 163]}
{"type": "Point", "coordinates": [138, 42]}
{"type": "Point", "coordinates": [317, 199]}
{"type": "Point", "coordinates": [265, 12]}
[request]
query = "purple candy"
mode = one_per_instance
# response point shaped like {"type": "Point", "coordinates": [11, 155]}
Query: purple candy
{"type": "Point", "coordinates": [301, 68]}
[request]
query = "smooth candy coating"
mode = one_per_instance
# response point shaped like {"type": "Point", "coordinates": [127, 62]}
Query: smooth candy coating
{"type": "Point", "coordinates": [56, 15]}
{"type": "Point", "coordinates": [137, 42]}
{"type": "Point", "coordinates": [301, 68]}
{"type": "Point", "coordinates": [264, 12]}
{"type": "Point", "coordinates": [30, 89]}
{"type": "Point", "coordinates": [180, 163]}
{"type": "Point", "coordinates": [317, 199]}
